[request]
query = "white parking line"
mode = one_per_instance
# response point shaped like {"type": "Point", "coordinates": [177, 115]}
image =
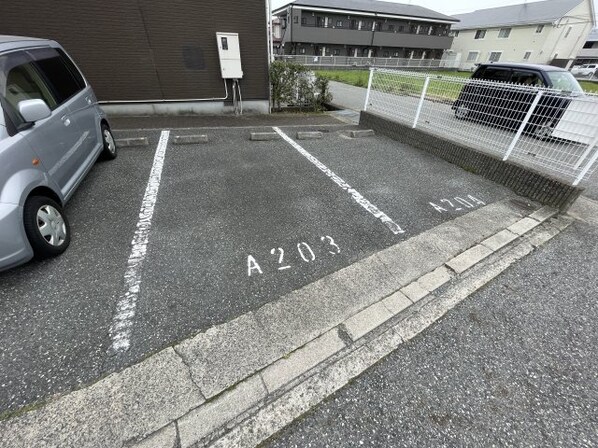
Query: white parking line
{"type": "Point", "coordinates": [120, 331]}
{"type": "Point", "coordinates": [393, 226]}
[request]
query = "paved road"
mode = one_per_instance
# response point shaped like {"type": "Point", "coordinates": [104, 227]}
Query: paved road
{"type": "Point", "coordinates": [346, 96]}
{"type": "Point", "coordinates": [218, 204]}
{"type": "Point", "coordinates": [514, 365]}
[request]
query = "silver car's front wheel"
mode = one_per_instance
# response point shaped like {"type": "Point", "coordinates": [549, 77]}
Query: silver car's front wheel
{"type": "Point", "coordinates": [109, 143]}
{"type": "Point", "coordinates": [46, 226]}
{"type": "Point", "coordinates": [51, 226]}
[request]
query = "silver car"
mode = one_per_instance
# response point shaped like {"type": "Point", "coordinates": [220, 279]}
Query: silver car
{"type": "Point", "coordinates": [51, 133]}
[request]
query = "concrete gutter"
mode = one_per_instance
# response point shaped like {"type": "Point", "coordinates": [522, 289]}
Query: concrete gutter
{"type": "Point", "coordinates": [256, 372]}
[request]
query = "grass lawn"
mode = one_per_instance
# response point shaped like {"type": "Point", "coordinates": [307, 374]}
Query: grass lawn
{"type": "Point", "coordinates": [360, 78]}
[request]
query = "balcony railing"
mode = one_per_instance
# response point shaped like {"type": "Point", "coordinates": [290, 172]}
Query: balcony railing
{"type": "Point", "coordinates": [406, 30]}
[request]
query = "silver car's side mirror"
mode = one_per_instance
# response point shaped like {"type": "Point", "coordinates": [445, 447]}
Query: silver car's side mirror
{"type": "Point", "coordinates": [34, 110]}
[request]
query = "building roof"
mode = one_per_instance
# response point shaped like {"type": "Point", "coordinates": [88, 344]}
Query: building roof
{"type": "Point", "coordinates": [524, 14]}
{"type": "Point", "coordinates": [373, 6]}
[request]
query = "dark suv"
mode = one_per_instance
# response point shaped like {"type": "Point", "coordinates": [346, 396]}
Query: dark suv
{"type": "Point", "coordinates": [502, 95]}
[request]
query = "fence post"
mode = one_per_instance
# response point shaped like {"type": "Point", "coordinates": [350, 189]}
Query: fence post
{"type": "Point", "coordinates": [421, 101]}
{"type": "Point", "coordinates": [367, 95]}
{"type": "Point", "coordinates": [587, 152]}
{"type": "Point", "coordinates": [587, 167]}
{"type": "Point", "coordinates": [523, 124]}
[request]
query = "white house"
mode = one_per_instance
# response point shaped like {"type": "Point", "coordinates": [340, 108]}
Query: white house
{"type": "Point", "coordinates": [546, 32]}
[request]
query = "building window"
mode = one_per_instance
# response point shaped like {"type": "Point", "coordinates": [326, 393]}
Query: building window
{"type": "Point", "coordinates": [472, 56]}
{"type": "Point", "coordinates": [539, 29]}
{"type": "Point", "coordinates": [353, 25]}
{"type": "Point", "coordinates": [296, 19]}
{"type": "Point", "coordinates": [413, 29]}
{"type": "Point", "coordinates": [339, 23]}
{"type": "Point", "coordinates": [454, 33]}
{"type": "Point", "coordinates": [391, 27]}
{"type": "Point", "coordinates": [480, 34]}
{"type": "Point", "coordinates": [424, 29]}
{"type": "Point", "coordinates": [301, 50]}
{"type": "Point", "coordinates": [336, 52]}
{"type": "Point", "coordinates": [396, 54]}
{"type": "Point", "coordinates": [568, 32]}
{"type": "Point", "coordinates": [386, 54]}
{"type": "Point", "coordinates": [504, 33]}
{"type": "Point", "coordinates": [527, 55]}
{"type": "Point", "coordinates": [494, 56]}
{"type": "Point", "coordinates": [303, 21]}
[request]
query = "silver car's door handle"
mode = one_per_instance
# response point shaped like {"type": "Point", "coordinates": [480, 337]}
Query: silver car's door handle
{"type": "Point", "coordinates": [66, 121]}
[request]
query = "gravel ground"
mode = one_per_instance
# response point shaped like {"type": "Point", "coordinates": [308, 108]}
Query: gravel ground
{"type": "Point", "coordinates": [514, 365]}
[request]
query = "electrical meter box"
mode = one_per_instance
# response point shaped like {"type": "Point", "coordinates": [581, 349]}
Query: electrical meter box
{"type": "Point", "coordinates": [230, 55]}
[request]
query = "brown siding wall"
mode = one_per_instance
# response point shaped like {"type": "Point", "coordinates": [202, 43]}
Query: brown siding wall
{"type": "Point", "coordinates": [137, 50]}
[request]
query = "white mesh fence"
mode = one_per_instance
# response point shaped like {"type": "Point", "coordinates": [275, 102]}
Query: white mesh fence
{"type": "Point", "coordinates": [552, 131]}
{"type": "Point", "coordinates": [363, 62]}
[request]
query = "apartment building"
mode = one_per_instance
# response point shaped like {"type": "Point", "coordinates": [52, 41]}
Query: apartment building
{"type": "Point", "coordinates": [546, 32]}
{"type": "Point", "coordinates": [362, 28]}
{"type": "Point", "coordinates": [589, 53]}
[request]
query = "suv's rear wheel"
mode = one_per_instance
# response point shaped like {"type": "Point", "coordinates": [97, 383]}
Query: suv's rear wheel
{"type": "Point", "coordinates": [462, 111]}
{"type": "Point", "coordinates": [109, 151]}
{"type": "Point", "coordinates": [46, 226]}
{"type": "Point", "coordinates": [544, 131]}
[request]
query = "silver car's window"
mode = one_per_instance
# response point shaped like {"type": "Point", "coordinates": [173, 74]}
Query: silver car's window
{"type": "Point", "coordinates": [21, 80]}
{"type": "Point", "coordinates": [3, 120]}
{"type": "Point", "coordinates": [564, 81]}
{"type": "Point", "coordinates": [10, 119]}
{"type": "Point", "coordinates": [58, 72]}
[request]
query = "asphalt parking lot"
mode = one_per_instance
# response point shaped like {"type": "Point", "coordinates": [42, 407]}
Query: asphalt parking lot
{"type": "Point", "coordinates": [223, 228]}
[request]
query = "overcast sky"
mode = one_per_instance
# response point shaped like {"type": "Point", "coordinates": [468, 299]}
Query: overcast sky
{"type": "Point", "coordinates": [447, 6]}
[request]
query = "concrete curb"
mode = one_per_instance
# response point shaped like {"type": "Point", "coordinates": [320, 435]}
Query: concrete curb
{"type": "Point", "coordinates": [130, 142]}
{"type": "Point", "coordinates": [190, 139]}
{"type": "Point", "coordinates": [315, 135]}
{"type": "Point", "coordinates": [196, 390]}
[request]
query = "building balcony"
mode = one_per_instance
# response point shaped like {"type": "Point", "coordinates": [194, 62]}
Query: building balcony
{"type": "Point", "coordinates": [408, 40]}
{"type": "Point", "coordinates": [347, 36]}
